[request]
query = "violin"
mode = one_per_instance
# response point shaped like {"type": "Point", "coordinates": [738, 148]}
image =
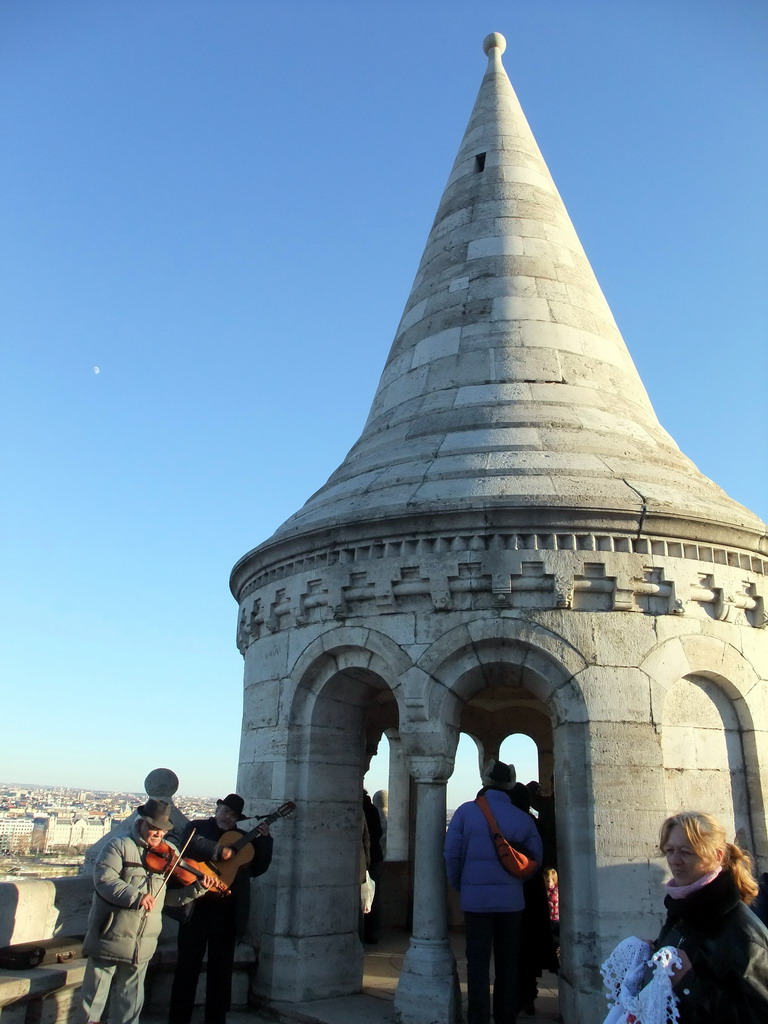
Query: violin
{"type": "Point", "coordinates": [165, 859]}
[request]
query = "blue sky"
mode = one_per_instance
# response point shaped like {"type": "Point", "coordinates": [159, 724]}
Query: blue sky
{"type": "Point", "coordinates": [221, 207]}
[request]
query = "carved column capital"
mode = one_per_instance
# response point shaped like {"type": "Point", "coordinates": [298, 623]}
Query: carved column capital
{"type": "Point", "coordinates": [431, 769]}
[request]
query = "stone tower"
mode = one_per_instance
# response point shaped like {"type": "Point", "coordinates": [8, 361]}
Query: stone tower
{"type": "Point", "coordinates": [513, 544]}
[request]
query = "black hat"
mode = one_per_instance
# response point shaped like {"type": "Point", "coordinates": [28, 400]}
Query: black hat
{"type": "Point", "coordinates": [499, 775]}
{"type": "Point", "coordinates": [234, 803]}
{"type": "Point", "coordinates": [156, 814]}
{"type": "Point", "coordinates": [502, 773]}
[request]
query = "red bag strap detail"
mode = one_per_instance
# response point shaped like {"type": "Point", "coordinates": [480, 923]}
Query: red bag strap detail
{"type": "Point", "coordinates": [485, 807]}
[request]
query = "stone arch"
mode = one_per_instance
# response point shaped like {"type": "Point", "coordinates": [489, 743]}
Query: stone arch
{"type": "Point", "coordinates": [447, 672]}
{"type": "Point", "coordinates": [704, 697]}
{"type": "Point", "coordinates": [702, 751]}
{"type": "Point", "coordinates": [351, 655]}
{"type": "Point", "coordinates": [493, 654]}
{"type": "Point", "coordinates": [347, 647]}
{"type": "Point", "coordinates": [698, 655]}
{"type": "Point", "coordinates": [344, 684]}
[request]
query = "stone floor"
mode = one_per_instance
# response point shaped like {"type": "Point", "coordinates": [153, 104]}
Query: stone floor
{"type": "Point", "coordinates": [374, 1004]}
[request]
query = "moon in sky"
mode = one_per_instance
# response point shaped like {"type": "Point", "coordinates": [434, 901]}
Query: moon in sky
{"type": "Point", "coordinates": [97, 369]}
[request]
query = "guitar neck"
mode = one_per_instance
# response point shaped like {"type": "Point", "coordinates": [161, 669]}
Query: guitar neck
{"type": "Point", "coordinates": [254, 833]}
{"type": "Point", "coordinates": [242, 846]}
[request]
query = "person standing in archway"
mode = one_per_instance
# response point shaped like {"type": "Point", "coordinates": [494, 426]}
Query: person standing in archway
{"type": "Point", "coordinates": [491, 898]}
{"type": "Point", "coordinates": [372, 920]}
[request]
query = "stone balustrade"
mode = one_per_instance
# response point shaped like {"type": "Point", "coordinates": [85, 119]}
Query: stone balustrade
{"type": "Point", "coordinates": [32, 909]}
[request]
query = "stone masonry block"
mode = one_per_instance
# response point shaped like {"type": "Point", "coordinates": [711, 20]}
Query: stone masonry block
{"type": "Point", "coordinates": [298, 968]}
{"type": "Point", "coordinates": [621, 832]}
{"type": "Point", "coordinates": [332, 908]}
{"type": "Point", "coordinates": [265, 659]}
{"type": "Point", "coordinates": [262, 742]}
{"type": "Point", "coordinates": [617, 788]}
{"type": "Point", "coordinates": [698, 706]}
{"type": "Point", "coordinates": [444, 343]}
{"type": "Point", "coordinates": [679, 748]}
{"type": "Point", "coordinates": [492, 288]}
{"type": "Point", "coordinates": [261, 704]}
{"type": "Point", "coordinates": [497, 392]}
{"type": "Point", "coordinates": [633, 745]}
{"type": "Point", "coordinates": [711, 750]}
{"type": "Point", "coordinates": [700, 789]}
{"type": "Point", "coordinates": [401, 389]}
{"type": "Point", "coordinates": [495, 245]}
{"type": "Point", "coordinates": [543, 334]}
{"type": "Point", "coordinates": [643, 878]}
{"type": "Point", "coordinates": [490, 438]}
{"type": "Point", "coordinates": [517, 307]}
{"type": "Point", "coordinates": [623, 639]}
{"type": "Point", "coordinates": [616, 694]}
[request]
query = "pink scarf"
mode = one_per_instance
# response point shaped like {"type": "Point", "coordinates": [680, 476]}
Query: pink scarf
{"type": "Point", "coordinates": [679, 892]}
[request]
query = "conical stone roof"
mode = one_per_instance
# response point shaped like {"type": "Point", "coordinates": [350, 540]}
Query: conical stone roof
{"type": "Point", "coordinates": [509, 392]}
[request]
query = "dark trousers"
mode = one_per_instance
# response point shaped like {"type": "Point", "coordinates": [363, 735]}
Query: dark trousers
{"type": "Point", "coordinates": [211, 926]}
{"type": "Point", "coordinates": [498, 934]}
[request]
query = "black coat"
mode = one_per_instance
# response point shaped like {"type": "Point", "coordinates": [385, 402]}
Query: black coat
{"type": "Point", "coordinates": [202, 847]}
{"type": "Point", "coordinates": [728, 949]}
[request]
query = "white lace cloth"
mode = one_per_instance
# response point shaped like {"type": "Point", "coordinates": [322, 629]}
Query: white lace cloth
{"type": "Point", "coordinates": [623, 973]}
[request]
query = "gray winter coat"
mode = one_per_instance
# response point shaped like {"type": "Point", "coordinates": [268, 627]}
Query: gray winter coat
{"type": "Point", "coordinates": [118, 928]}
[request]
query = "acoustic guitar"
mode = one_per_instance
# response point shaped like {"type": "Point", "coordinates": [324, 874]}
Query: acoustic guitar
{"type": "Point", "coordinates": [242, 845]}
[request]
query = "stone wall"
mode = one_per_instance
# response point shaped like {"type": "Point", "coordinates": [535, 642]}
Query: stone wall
{"type": "Point", "coordinates": [33, 909]}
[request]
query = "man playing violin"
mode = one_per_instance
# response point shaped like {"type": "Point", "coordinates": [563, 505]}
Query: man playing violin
{"type": "Point", "coordinates": [125, 919]}
{"type": "Point", "coordinates": [215, 922]}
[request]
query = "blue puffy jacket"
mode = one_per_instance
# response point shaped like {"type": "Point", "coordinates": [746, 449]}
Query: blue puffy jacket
{"type": "Point", "coordinates": [471, 860]}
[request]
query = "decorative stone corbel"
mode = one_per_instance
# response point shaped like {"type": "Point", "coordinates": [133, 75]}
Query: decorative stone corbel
{"type": "Point", "coordinates": [563, 588]}
{"type": "Point", "coordinates": [280, 607]}
{"type": "Point", "coordinates": [623, 594]}
{"type": "Point", "coordinates": [242, 635]}
{"type": "Point", "coordinates": [416, 685]}
{"type": "Point", "coordinates": [250, 625]}
{"type": "Point", "coordinates": [385, 598]}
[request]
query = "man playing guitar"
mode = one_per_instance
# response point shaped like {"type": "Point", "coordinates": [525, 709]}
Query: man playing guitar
{"type": "Point", "coordinates": [214, 921]}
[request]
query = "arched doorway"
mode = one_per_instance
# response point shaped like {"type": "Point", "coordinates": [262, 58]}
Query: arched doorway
{"type": "Point", "coordinates": [309, 945]}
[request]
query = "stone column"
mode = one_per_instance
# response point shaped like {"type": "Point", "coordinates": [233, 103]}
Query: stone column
{"type": "Point", "coordinates": [398, 803]}
{"type": "Point", "coordinates": [428, 991]}
{"type": "Point", "coordinates": [607, 822]}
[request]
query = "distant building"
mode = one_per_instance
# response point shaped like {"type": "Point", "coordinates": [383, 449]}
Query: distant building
{"type": "Point", "coordinates": [76, 831]}
{"type": "Point", "coordinates": [15, 833]}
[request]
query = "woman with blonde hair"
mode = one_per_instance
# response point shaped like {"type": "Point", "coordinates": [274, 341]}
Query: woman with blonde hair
{"type": "Point", "coordinates": [721, 944]}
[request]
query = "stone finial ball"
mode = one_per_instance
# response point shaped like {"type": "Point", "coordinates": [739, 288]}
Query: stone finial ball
{"type": "Point", "coordinates": [494, 39]}
{"type": "Point", "coordinates": [162, 784]}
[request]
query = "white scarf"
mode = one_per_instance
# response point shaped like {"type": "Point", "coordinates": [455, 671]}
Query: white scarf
{"type": "Point", "coordinates": [623, 973]}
